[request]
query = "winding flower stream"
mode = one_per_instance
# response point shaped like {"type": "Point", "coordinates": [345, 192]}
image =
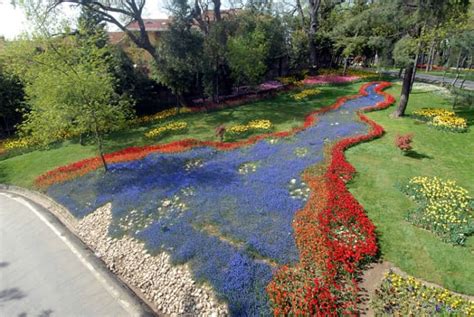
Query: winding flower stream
{"type": "Point", "coordinates": [226, 213]}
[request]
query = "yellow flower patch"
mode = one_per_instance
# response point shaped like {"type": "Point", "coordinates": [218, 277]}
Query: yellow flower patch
{"type": "Point", "coordinates": [252, 126]}
{"type": "Point", "coordinates": [162, 115]}
{"type": "Point", "coordinates": [442, 119]}
{"type": "Point", "coordinates": [306, 93]}
{"type": "Point", "coordinates": [451, 123]}
{"type": "Point", "coordinates": [444, 208]}
{"type": "Point", "coordinates": [168, 128]}
{"type": "Point", "coordinates": [404, 296]}
{"type": "Point", "coordinates": [17, 144]}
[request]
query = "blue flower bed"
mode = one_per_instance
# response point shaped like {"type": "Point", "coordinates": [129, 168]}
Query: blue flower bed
{"type": "Point", "coordinates": [233, 225]}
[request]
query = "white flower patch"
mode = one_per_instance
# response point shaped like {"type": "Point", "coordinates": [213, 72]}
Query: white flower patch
{"type": "Point", "coordinates": [172, 208]}
{"type": "Point", "coordinates": [135, 221]}
{"type": "Point", "coordinates": [298, 190]}
{"type": "Point", "coordinates": [247, 168]}
{"type": "Point", "coordinates": [435, 89]}
{"type": "Point", "coordinates": [273, 141]}
{"type": "Point", "coordinates": [193, 164]}
{"type": "Point", "coordinates": [301, 152]}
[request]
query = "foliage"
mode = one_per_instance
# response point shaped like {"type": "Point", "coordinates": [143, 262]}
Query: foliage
{"type": "Point", "coordinates": [404, 51]}
{"type": "Point", "coordinates": [444, 208]}
{"type": "Point", "coordinates": [180, 53]}
{"type": "Point", "coordinates": [172, 127]}
{"type": "Point", "coordinates": [401, 296]}
{"type": "Point", "coordinates": [403, 142]}
{"type": "Point", "coordinates": [11, 98]}
{"type": "Point", "coordinates": [247, 54]}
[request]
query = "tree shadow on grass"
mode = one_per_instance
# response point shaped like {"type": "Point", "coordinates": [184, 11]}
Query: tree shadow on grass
{"type": "Point", "coordinates": [417, 155]}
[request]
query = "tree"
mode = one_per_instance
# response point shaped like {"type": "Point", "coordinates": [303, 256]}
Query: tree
{"type": "Point", "coordinates": [421, 18]}
{"type": "Point", "coordinates": [67, 94]}
{"type": "Point", "coordinates": [180, 53]}
{"type": "Point", "coordinates": [247, 55]}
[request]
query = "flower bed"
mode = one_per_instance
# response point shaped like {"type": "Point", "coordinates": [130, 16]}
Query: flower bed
{"type": "Point", "coordinates": [444, 208]}
{"type": "Point", "coordinates": [333, 235]}
{"type": "Point", "coordinates": [233, 215]}
{"type": "Point", "coordinates": [442, 119]}
{"type": "Point", "coordinates": [17, 144]}
{"type": "Point", "coordinates": [162, 115]}
{"type": "Point", "coordinates": [172, 127]}
{"type": "Point", "coordinates": [329, 79]}
{"type": "Point", "coordinates": [407, 296]}
{"type": "Point", "coordinates": [253, 126]}
{"type": "Point", "coordinates": [305, 94]}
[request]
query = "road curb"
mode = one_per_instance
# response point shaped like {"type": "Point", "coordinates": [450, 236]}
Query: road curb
{"type": "Point", "coordinates": [60, 218]}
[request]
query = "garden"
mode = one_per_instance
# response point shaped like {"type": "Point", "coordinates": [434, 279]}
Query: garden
{"type": "Point", "coordinates": [254, 161]}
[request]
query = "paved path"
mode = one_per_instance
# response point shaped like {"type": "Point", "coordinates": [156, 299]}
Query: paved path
{"type": "Point", "coordinates": [44, 272]}
{"type": "Point", "coordinates": [421, 76]}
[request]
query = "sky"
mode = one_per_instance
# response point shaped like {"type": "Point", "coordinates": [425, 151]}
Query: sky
{"type": "Point", "coordinates": [13, 20]}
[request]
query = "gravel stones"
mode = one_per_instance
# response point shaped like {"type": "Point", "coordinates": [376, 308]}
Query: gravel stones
{"type": "Point", "coordinates": [171, 289]}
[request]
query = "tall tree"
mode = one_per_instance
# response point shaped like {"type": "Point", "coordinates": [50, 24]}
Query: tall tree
{"type": "Point", "coordinates": [180, 53]}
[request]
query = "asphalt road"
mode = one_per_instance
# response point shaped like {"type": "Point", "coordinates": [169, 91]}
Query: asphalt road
{"type": "Point", "coordinates": [41, 272]}
{"type": "Point", "coordinates": [436, 79]}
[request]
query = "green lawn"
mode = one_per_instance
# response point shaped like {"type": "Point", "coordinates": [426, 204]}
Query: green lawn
{"type": "Point", "coordinates": [381, 167]}
{"type": "Point", "coordinates": [282, 110]}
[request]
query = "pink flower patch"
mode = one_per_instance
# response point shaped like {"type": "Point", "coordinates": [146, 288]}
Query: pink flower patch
{"type": "Point", "coordinates": [329, 79]}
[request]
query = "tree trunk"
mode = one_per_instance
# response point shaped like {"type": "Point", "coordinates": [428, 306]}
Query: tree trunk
{"type": "Point", "coordinates": [457, 69]}
{"type": "Point", "coordinates": [313, 27]}
{"type": "Point", "coordinates": [100, 148]}
{"type": "Point", "coordinates": [344, 71]}
{"type": "Point", "coordinates": [400, 72]}
{"type": "Point", "coordinates": [400, 111]}
{"type": "Point", "coordinates": [415, 68]}
{"type": "Point", "coordinates": [432, 59]}
{"type": "Point", "coordinates": [430, 54]}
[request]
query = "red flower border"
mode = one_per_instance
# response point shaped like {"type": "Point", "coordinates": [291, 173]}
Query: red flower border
{"type": "Point", "coordinates": [324, 282]}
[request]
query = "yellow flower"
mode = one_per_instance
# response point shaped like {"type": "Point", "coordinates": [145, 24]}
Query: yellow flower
{"type": "Point", "coordinates": [306, 93]}
{"type": "Point", "coordinates": [253, 125]}
{"type": "Point", "coordinates": [170, 127]}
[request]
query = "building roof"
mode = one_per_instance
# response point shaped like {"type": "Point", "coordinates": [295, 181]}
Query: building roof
{"type": "Point", "coordinates": [150, 25]}
{"type": "Point", "coordinates": [116, 37]}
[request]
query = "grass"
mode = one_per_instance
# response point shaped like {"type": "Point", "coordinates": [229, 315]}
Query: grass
{"type": "Point", "coordinates": [284, 112]}
{"type": "Point", "coordinates": [381, 166]}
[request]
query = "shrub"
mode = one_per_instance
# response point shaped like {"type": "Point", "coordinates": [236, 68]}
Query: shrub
{"type": "Point", "coordinates": [403, 142]}
{"type": "Point", "coordinates": [444, 208]}
{"type": "Point", "coordinates": [407, 296]}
